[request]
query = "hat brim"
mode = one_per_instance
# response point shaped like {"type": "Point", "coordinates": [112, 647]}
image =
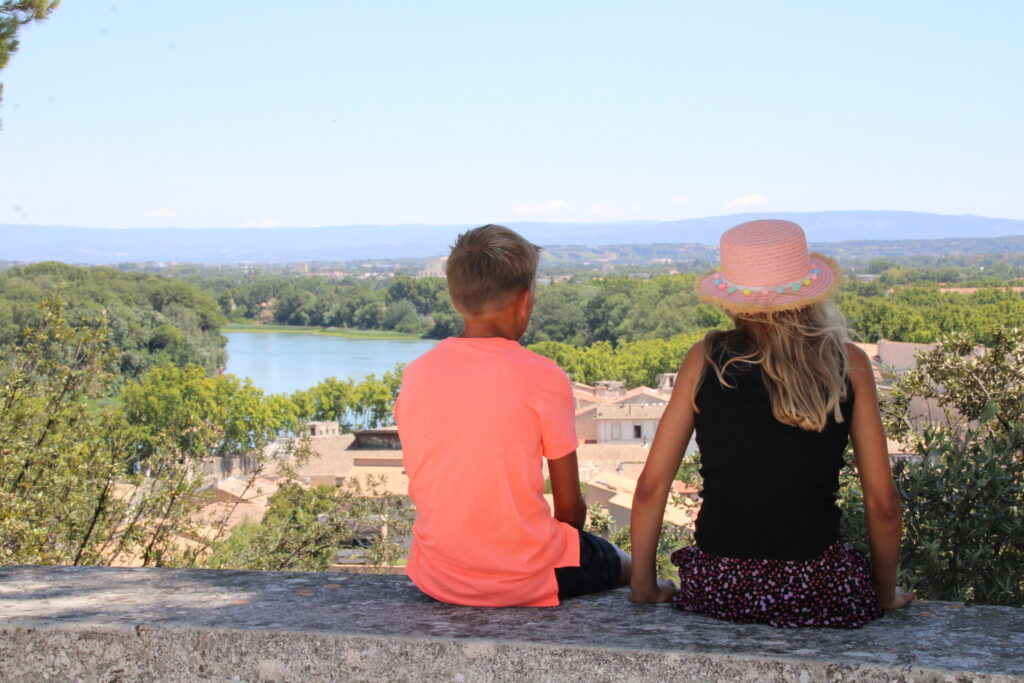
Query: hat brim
{"type": "Point", "coordinates": [770, 300]}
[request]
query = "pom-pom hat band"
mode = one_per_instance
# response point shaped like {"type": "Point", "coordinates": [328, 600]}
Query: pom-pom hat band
{"type": "Point", "coordinates": [766, 267]}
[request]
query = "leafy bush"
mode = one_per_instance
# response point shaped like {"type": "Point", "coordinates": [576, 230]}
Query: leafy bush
{"type": "Point", "coordinates": [599, 521]}
{"type": "Point", "coordinates": [963, 493]}
{"type": "Point", "coordinates": [69, 493]}
{"type": "Point", "coordinates": [670, 539]}
{"type": "Point", "coordinates": [304, 528]}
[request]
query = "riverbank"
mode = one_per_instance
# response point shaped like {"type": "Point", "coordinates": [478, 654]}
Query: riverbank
{"type": "Point", "coordinates": [345, 332]}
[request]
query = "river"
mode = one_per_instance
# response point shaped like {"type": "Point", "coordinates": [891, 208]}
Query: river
{"type": "Point", "coordinates": [283, 362]}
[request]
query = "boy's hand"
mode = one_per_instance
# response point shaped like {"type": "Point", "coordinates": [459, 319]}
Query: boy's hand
{"type": "Point", "coordinates": [662, 591]}
{"type": "Point", "coordinates": [899, 599]}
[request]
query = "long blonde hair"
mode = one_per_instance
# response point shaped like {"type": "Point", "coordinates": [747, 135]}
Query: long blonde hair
{"type": "Point", "coordinates": [802, 355]}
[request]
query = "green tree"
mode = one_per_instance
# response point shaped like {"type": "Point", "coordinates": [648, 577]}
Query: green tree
{"type": "Point", "coordinates": [446, 321]}
{"type": "Point", "coordinates": [963, 493]}
{"type": "Point", "coordinates": [152, 320]}
{"type": "Point", "coordinates": [558, 315]}
{"type": "Point", "coordinates": [635, 363]}
{"type": "Point", "coordinates": [49, 449]}
{"type": "Point", "coordinates": [921, 313]}
{"type": "Point", "coordinates": [294, 306]}
{"type": "Point", "coordinates": [223, 415]}
{"type": "Point", "coordinates": [353, 405]}
{"type": "Point", "coordinates": [69, 491]}
{"type": "Point", "coordinates": [327, 401]}
{"type": "Point", "coordinates": [425, 294]}
{"type": "Point", "coordinates": [402, 316]}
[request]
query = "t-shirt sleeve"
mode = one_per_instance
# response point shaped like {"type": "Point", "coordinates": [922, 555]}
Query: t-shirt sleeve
{"type": "Point", "coordinates": [556, 410]}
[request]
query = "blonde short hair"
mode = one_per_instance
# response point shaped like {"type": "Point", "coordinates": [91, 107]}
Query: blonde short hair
{"type": "Point", "coordinates": [487, 266]}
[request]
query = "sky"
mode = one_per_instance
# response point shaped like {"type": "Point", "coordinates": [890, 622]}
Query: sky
{"type": "Point", "coordinates": [227, 113]}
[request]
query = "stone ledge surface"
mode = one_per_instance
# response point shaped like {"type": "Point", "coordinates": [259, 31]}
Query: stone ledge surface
{"type": "Point", "coordinates": [168, 624]}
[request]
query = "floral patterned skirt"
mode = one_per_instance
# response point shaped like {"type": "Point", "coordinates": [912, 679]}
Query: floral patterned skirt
{"type": "Point", "coordinates": [833, 589]}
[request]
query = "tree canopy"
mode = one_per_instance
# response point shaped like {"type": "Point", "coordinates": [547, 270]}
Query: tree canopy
{"type": "Point", "coordinates": [902, 304]}
{"type": "Point", "coordinates": [152, 320]}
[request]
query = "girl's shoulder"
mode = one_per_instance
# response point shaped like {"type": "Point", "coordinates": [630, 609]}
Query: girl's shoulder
{"type": "Point", "coordinates": [856, 358]}
{"type": "Point", "coordinates": [860, 369]}
{"type": "Point", "coordinates": [693, 363]}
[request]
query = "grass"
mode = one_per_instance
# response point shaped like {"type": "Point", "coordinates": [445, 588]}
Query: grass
{"type": "Point", "coordinates": [323, 331]}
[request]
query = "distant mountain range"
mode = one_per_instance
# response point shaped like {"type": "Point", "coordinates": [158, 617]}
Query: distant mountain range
{"type": "Point", "coordinates": [921, 253]}
{"type": "Point", "coordinates": [353, 242]}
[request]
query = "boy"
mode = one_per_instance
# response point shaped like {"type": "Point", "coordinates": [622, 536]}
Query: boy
{"type": "Point", "coordinates": [476, 415]}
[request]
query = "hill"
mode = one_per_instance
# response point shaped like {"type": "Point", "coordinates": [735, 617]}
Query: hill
{"type": "Point", "coordinates": [29, 243]}
{"type": "Point", "coordinates": [902, 251]}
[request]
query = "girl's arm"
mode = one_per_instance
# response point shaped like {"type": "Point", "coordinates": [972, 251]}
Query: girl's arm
{"type": "Point", "coordinates": [652, 489]}
{"type": "Point", "coordinates": [881, 501]}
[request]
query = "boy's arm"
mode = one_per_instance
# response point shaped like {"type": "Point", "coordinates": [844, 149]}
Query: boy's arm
{"type": "Point", "coordinates": [565, 489]}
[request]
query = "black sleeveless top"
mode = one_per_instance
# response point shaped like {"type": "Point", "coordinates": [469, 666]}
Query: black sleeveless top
{"type": "Point", "coordinates": [769, 488]}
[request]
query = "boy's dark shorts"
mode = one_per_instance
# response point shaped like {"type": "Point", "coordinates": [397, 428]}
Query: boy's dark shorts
{"type": "Point", "coordinates": [600, 568]}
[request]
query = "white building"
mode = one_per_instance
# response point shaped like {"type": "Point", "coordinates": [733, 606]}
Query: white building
{"type": "Point", "coordinates": [627, 422]}
{"type": "Point", "coordinates": [322, 430]}
{"type": "Point", "coordinates": [435, 267]}
{"type": "Point", "coordinates": [900, 356]}
{"type": "Point", "coordinates": [608, 414]}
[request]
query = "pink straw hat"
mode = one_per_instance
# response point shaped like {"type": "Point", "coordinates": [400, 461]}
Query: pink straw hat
{"type": "Point", "coordinates": [766, 267]}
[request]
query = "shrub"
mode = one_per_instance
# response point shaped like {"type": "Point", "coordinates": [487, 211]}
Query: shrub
{"type": "Point", "coordinates": [963, 491]}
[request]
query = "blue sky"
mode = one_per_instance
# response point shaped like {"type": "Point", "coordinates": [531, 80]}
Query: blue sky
{"type": "Point", "coordinates": [227, 113]}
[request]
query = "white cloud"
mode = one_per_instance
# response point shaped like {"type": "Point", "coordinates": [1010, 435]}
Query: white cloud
{"type": "Point", "coordinates": [746, 201]}
{"type": "Point", "coordinates": [679, 199]}
{"type": "Point", "coordinates": [261, 223]}
{"type": "Point", "coordinates": [162, 212]}
{"type": "Point", "coordinates": [609, 210]}
{"type": "Point", "coordinates": [552, 209]}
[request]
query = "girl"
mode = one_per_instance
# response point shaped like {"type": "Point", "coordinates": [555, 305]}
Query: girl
{"type": "Point", "coordinates": [773, 402]}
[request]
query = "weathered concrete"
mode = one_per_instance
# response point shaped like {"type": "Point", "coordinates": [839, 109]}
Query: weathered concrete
{"type": "Point", "coordinates": [159, 624]}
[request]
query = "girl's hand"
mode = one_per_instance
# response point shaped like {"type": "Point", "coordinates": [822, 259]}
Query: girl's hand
{"type": "Point", "coordinates": [899, 599]}
{"type": "Point", "coordinates": [662, 591]}
{"type": "Point", "coordinates": [655, 483]}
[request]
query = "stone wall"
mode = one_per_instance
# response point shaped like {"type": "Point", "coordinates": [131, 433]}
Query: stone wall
{"type": "Point", "coordinates": [190, 625]}
{"type": "Point", "coordinates": [219, 468]}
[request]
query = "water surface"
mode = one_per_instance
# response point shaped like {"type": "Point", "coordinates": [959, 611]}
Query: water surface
{"type": "Point", "coordinates": [283, 362]}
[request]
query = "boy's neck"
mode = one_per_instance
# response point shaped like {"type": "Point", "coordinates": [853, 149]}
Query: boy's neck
{"type": "Point", "coordinates": [481, 327]}
{"type": "Point", "coordinates": [507, 322]}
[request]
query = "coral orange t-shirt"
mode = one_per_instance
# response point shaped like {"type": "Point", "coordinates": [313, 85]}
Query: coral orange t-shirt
{"type": "Point", "coordinates": [476, 416]}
